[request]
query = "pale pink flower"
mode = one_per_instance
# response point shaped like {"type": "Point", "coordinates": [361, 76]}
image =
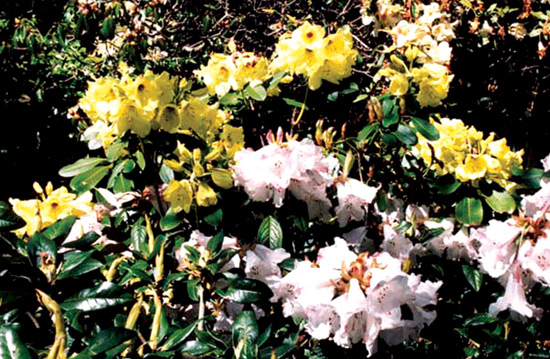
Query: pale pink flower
{"type": "Point", "coordinates": [353, 199]}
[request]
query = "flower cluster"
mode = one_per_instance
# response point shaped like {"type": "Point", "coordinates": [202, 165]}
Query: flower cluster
{"type": "Point", "coordinates": [224, 73]}
{"type": "Point", "coordinates": [300, 167]}
{"type": "Point", "coordinates": [196, 168]}
{"type": "Point", "coordinates": [424, 43]}
{"type": "Point", "coordinates": [306, 51]}
{"type": "Point", "coordinates": [52, 206]}
{"type": "Point", "coordinates": [462, 151]}
{"type": "Point", "coordinates": [357, 298]}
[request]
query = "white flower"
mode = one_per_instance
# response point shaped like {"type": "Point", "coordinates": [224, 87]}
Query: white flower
{"type": "Point", "coordinates": [353, 198]}
{"type": "Point", "coordinates": [262, 264]}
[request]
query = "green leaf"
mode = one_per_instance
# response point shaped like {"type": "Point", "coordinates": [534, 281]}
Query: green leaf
{"type": "Point", "coordinates": [425, 128]}
{"type": "Point", "coordinates": [361, 97]}
{"type": "Point", "coordinates": [40, 248]}
{"type": "Point", "coordinates": [135, 271]}
{"type": "Point", "coordinates": [193, 289]}
{"type": "Point", "coordinates": [122, 184]}
{"type": "Point", "coordinates": [532, 177]}
{"type": "Point", "coordinates": [109, 338]}
{"type": "Point", "coordinates": [294, 103]}
{"type": "Point", "coordinates": [8, 219]}
{"type": "Point", "coordinates": [215, 218]}
{"type": "Point", "coordinates": [389, 139]}
{"type": "Point", "coordinates": [77, 263]}
{"type": "Point", "coordinates": [480, 319]}
{"type": "Point", "coordinates": [11, 345]}
{"type": "Point", "coordinates": [83, 242]}
{"type": "Point", "coordinates": [367, 132]}
{"type": "Point", "coordinates": [246, 291]}
{"type": "Point", "coordinates": [501, 202]}
{"type": "Point", "coordinates": [447, 185]}
{"type": "Point", "coordinates": [195, 348]}
{"type": "Point", "coordinates": [473, 276]}
{"type": "Point", "coordinates": [140, 239]}
{"type": "Point", "coordinates": [179, 336]}
{"type": "Point", "coordinates": [166, 174]}
{"type": "Point", "coordinates": [391, 115]}
{"type": "Point", "coordinates": [80, 166]}
{"type": "Point", "coordinates": [170, 221]}
{"type": "Point", "coordinates": [60, 228]}
{"type": "Point", "coordinates": [258, 93]}
{"type": "Point", "coordinates": [215, 244]}
{"type": "Point", "coordinates": [103, 296]}
{"type": "Point", "coordinates": [140, 160]}
{"type": "Point", "coordinates": [244, 335]}
{"type": "Point", "coordinates": [89, 179]}
{"type": "Point", "coordinates": [469, 211]}
{"type": "Point", "coordinates": [270, 233]}
{"type": "Point", "coordinates": [406, 135]}
{"type": "Point", "coordinates": [108, 28]}
{"type": "Point", "coordinates": [116, 150]}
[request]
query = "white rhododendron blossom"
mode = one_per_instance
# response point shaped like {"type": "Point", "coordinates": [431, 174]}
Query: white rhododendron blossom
{"type": "Point", "coordinates": [357, 298]}
{"type": "Point", "coordinates": [353, 198]}
{"type": "Point", "coordinates": [300, 167]}
{"type": "Point", "coordinates": [262, 263]}
{"type": "Point", "coordinates": [517, 252]}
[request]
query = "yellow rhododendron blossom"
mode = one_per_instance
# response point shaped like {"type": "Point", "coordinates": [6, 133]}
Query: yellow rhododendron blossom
{"type": "Point", "coordinates": [180, 195]}
{"type": "Point", "coordinates": [232, 139]}
{"type": "Point", "coordinates": [466, 153]}
{"type": "Point", "coordinates": [169, 118]}
{"type": "Point", "coordinates": [53, 206]}
{"type": "Point", "coordinates": [306, 51]}
{"type": "Point", "coordinates": [206, 196]}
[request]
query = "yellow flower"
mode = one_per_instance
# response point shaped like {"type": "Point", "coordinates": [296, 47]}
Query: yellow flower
{"type": "Point", "coordinates": [180, 195]}
{"type": "Point", "coordinates": [206, 195]}
{"type": "Point", "coordinates": [29, 211]}
{"type": "Point", "coordinates": [473, 168]}
{"type": "Point", "coordinates": [169, 118]}
{"type": "Point", "coordinates": [232, 139]}
{"type": "Point", "coordinates": [399, 84]}
{"type": "Point", "coordinates": [127, 116]}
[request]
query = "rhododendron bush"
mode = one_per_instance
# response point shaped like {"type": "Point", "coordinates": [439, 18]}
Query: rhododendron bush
{"type": "Point", "coordinates": [311, 194]}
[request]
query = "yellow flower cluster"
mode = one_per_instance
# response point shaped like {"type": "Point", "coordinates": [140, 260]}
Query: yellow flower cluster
{"type": "Point", "coordinates": [422, 42]}
{"type": "Point", "coordinates": [144, 103]}
{"type": "Point", "coordinates": [197, 168]}
{"type": "Point", "coordinates": [53, 206]}
{"type": "Point", "coordinates": [306, 51]}
{"type": "Point", "coordinates": [462, 151]}
{"type": "Point", "coordinates": [224, 73]}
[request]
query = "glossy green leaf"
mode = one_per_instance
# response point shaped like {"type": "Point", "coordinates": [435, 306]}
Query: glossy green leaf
{"type": "Point", "coordinates": [11, 345]}
{"type": "Point", "coordinates": [245, 291]}
{"type": "Point", "coordinates": [193, 289]}
{"type": "Point", "coordinates": [425, 128]}
{"type": "Point", "coordinates": [197, 348]}
{"type": "Point", "coordinates": [406, 135]}
{"type": "Point", "coordinates": [81, 166]}
{"type": "Point", "coordinates": [102, 296]}
{"type": "Point", "coordinates": [41, 249]}
{"type": "Point", "coordinates": [135, 271]}
{"type": "Point", "coordinates": [391, 115]}
{"type": "Point", "coordinates": [170, 221]}
{"type": "Point", "coordinates": [215, 244]}
{"type": "Point", "coordinates": [140, 239]}
{"type": "Point", "coordinates": [83, 242]}
{"type": "Point", "coordinates": [469, 211]}
{"type": "Point", "coordinates": [294, 103]}
{"type": "Point", "coordinates": [244, 335]}
{"type": "Point", "coordinates": [480, 319]}
{"type": "Point", "coordinates": [501, 202]}
{"type": "Point", "coordinates": [87, 180]}
{"type": "Point", "coordinates": [473, 276]}
{"type": "Point", "coordinates": [447, 185]}
{"type": "Point", "coordinates": [215, 218]}
{"type": "Point", "coordinates": [8, 219]}
{"type": "Point", "coordinates": [140, 159]}
{"type": "Point", "coordinates": [178, 336]}
{"type": "Point", "coordinates": [258, 93]}
{"type": "Point", "coordinates": [367, 132]}
{"type": "Point", "coordinates": [270, 233]}
{"type": "Point", "coordinates": [166, 174]}
{"type": "Point", "coordinates": [122, 184]}
{"type": "Point", "coordinates": [109, 338]}
{"type": "Point", "coordinates": [76, 264]}
{"type": "Point", "coordinates": [59, 229]}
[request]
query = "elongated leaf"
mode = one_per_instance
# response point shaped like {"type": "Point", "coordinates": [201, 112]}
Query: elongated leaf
{"type": "Point", "coordinates": [193, 289]}
{"type": "Point", "coordinates": [294, 103]}
{"type": "Point", "coordinates": [109, 338]}
{"type": "Point", "coordinates": [89, 179]}
{"type": "Point", "coordinates": [391, 115]}
{"type": "Point", "coordinates": [76, 264]}
{"type": "Point", "coordinates": [91, 304]}
{"type": "Point", "coordinates": [8, 219]}
{"type": "Point", "coordinates": [501, 202]}
{"type": "Point", "coordinates": [83, 242]}
{"type": "Point", "coordinates": [368, 131]}
{"type": "Point", "coordinates": [11, 346]}
{"type": "Point", "coordinates": [179, 336]}
{"type": "Point", "coordinates": [215, 244]}
{"type": "Point", "coordinates": [480, 319]}
{"type": "Point", "coordinates": [447, 185]}
{"type": "Point", "coordinates": [246, 291]}
{"type": "Point", "coordinates": [215, 218]}
{"type": "Point", "coordinates": [425, 128]}
{"type": "Point", "coordinates": [406, 135]}
{"type": "Point", "coordinates": [258, 93]}
{"type": "Point", "coordinates": [197, 348]}
{"type": "Point", "coordinates": [474, 277]}
{"type": "Point", "coordinates": [245, 329]}
{"type": "Point", "coordinates": [59, 229]}
{"type": "Point", "coordinates": [469, 211]}
{"type": "Point", "coordinates": [170, 221]}
{"type": "Point", "coordinates": [41, 250]}
{"type": "Point", "coordinates": [81, 166]}
{"type": "Point", "coordinates": [122, 184]}
{"type": "Point", "coordinates": [270, 233]}
{"type": "Point", "coordinates": [140, 239]}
